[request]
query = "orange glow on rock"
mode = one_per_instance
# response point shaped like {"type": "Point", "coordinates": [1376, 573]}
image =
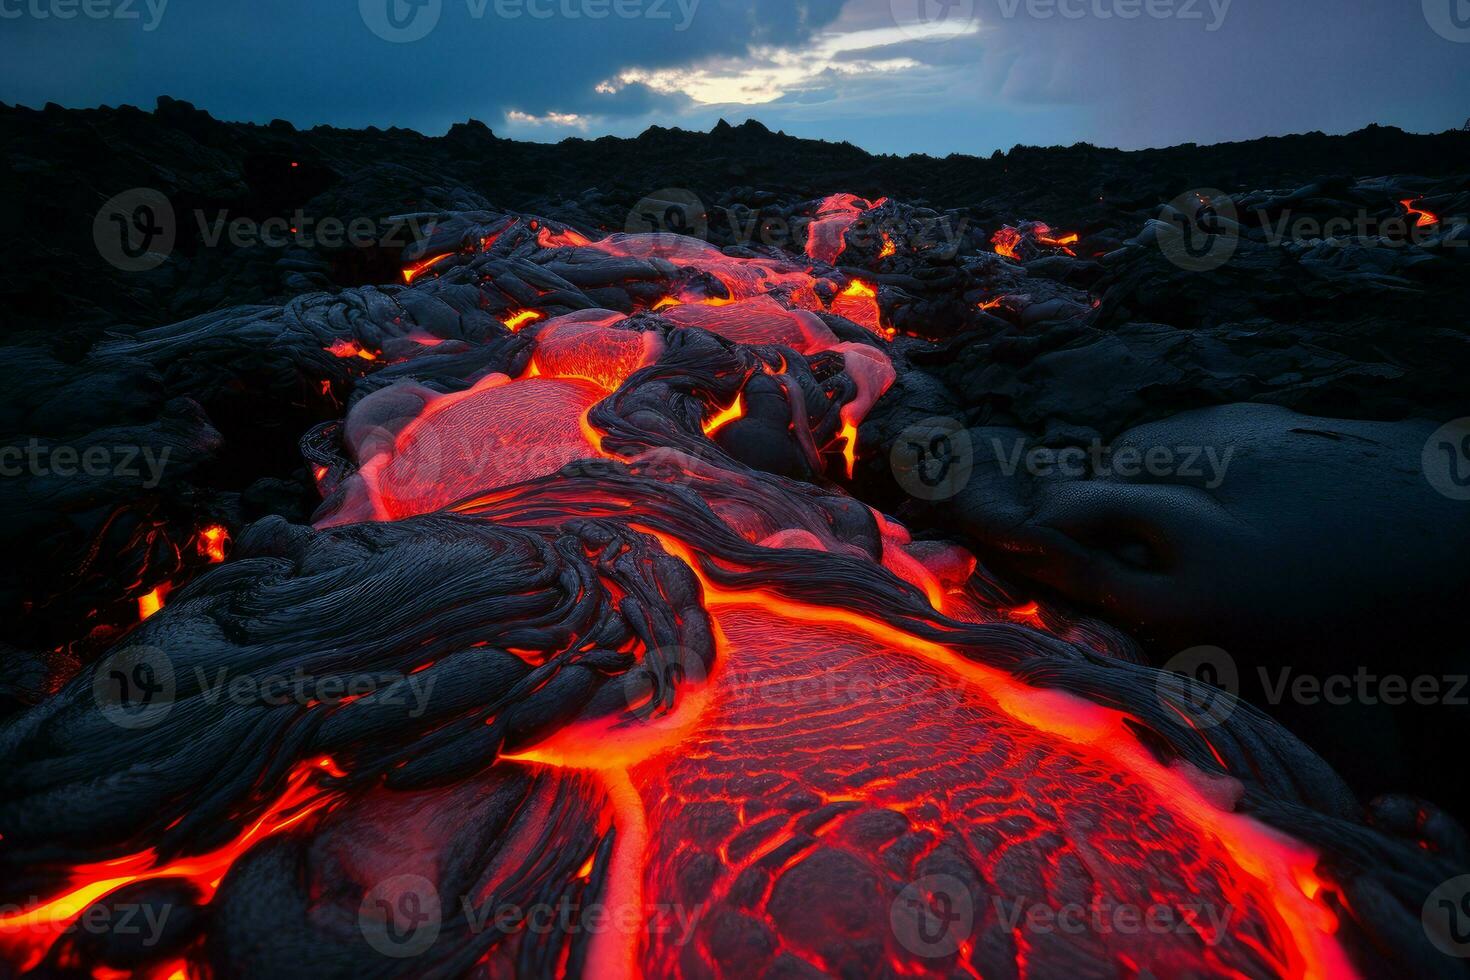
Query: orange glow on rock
{"type": "Point", "coordinates": [518, 320]}
{"type": "Point", "coordinates": [27, 935]}
{"type": "Point", "coordinates": [497, 433]}
{"type": "Point", "coordinates": [152, 602]}
{"type": "Point", "coordinates": [718, 422]}
{"type": "Point", "coordinates": [1423, 219]}
{"type": "Point", "coordinates": [1006, 241]}
{"type": "Point", "coordinates": [859, 303]}
{"type": "Point", "coordinates": [213, 540]}
{"type": "Point", "coordinates": [817, 726]}
{"type": "Point", "coordinates": [1029, 613]}
{"type": "Point", "coordinates": [849, 437]}
{"type": "Point", "coordinates": [1045, 237]}
{"type": "Point", "coordinates": [826, 237]}
{"type": "Point", "coordinates": [350, 348]}
{"type": "Point", "coordinates": [417, 269]}
{"type": "Point", "coordinates": [1273, 877]}
{"type": "Point", "coordinates": [546, 238]}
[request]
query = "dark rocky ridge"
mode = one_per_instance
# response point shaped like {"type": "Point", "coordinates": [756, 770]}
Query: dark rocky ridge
{"type": "Point", "coordinates": [61, 165]}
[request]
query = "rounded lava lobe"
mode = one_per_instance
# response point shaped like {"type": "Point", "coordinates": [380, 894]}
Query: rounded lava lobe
{"type": "Point", "coordinates": [739, 938]}
{"type": "Point", "coordinates": [445, 456]}
{"type": "Point", "coordinates": [832, 906]}
{"type": "Point", "coordinates": [586, 347]}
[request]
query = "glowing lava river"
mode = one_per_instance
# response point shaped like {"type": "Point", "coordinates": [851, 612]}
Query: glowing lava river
{"type": "Point", "coordinates": [597, 669]}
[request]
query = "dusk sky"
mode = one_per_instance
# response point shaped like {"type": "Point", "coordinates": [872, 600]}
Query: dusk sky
{"type": "Point", "coordinates": [932, 76]}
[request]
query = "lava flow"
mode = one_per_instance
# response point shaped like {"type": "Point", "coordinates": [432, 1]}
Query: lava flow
{"type": "Point", "coordinates": [638, 658]}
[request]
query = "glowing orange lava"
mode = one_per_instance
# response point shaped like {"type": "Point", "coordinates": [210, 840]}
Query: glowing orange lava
{"type": "Point", "coordinates": [1423, 219]}
{"type": "Point", "coordinates": [826, 238]}
{"type": "Point", "coordinates": [1045, 237]}
{"type": "Point", "coordinates": [1006, 241]}
{"type": "Point", "coordinates": [350, 348]}
{"type": "Point", "coordinates": [516, 321]}
{"type": "Point", "coordinates": [28, 934]}
{"type": "Point", "coordinates": [546, 238]}
{"type": "Point", "coordinates": [213, 540]}
{"type": "Point", "coordinates": [718, 422]}
{"type": "Point", "coordinates": [149, 604]}
{"type": "Point", "coordinates": [417, 269]}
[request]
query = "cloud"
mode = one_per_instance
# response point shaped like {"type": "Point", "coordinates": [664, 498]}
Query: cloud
{"type": "Point", "coordinates": [549, 119]}
{"type": "Point", "coordinates": [768, 73]}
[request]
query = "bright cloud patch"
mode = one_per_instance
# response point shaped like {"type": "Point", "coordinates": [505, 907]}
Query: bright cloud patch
{"type": "Point", "coordinates": [549, 119]}
{"type": "Point", "coordinates": [768, 73]}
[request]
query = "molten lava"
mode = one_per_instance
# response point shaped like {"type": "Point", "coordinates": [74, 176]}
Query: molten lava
{"type": "Point", "coordinates": [826, 239]}
{"type": "Point", "coordinates": [213, 542]}
{"type": "Point", "coordinates": [868, 717]}
{"type": "Point", "coordinates": [1006, 242]}
{"type": "Point", "coordinates": [1422, 219]}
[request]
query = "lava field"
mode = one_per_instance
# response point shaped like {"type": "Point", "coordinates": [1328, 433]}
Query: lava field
{"type": "Point", "coordinates": [731, 569]}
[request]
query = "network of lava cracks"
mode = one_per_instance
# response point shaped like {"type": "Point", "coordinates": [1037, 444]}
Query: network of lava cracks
{"type": "Point", "coordinates": [839, 747]}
